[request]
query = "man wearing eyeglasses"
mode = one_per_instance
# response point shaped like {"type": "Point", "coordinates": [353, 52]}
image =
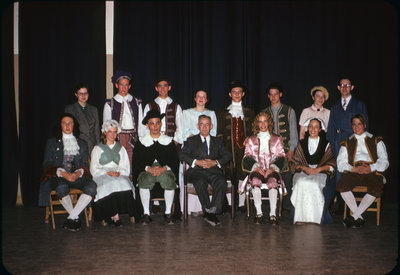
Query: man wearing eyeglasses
{"type": "Point", "coordinates": [340, 129]}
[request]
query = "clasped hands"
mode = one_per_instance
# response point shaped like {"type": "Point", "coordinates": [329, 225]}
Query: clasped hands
{"type": "Point", "coordinates": [113, 174]}
{"type": "Point", "coordinates": [206, 163]}
{"type": "Point", "coordinates": [311, 171]}
{"type": "Point", "coordinates": [361, 169]}
{"type": "Point", "coordinates": [71, 177]}
{"type": "Point", "coordinates": [156, 170]}
{"type": "Point", "coordinates": [264, 173]}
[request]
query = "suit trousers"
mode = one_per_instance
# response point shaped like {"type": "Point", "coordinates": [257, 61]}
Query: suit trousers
{"type": "Point", "coordinates": [201, 178]}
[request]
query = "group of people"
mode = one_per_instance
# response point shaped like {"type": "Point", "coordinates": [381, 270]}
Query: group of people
{"type": "Point", "coordinates": [141, 154]}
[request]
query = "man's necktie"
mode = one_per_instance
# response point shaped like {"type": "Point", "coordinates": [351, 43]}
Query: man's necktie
{"type": "Point", "coordinates": [344, 104]}
{"type": "Point", "coordinates": [205, 146]}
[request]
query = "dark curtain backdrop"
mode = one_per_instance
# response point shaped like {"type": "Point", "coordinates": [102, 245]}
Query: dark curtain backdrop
{"type": "Point", "coordinates": [9, 138]}
{"type": "Point", "coordinates": [61, 44]}
{"type": "Point", "coordinates": [196, 44]}
{"type": "Point", "coordinates": [204, 44]}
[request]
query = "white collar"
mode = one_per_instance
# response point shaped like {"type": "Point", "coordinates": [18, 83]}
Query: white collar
{"type": "Point", "coordinates": [119, 98]}
{"type": "Point", "coordinates": [317, 109]}
{"type": "Point", "coordinates": [147, 140]}
{"type": "Point", "coordinates": [263, 134]}
{"type": "Point", "coordinates": [236, 109]}
{"type": "Point", "coordinates": [70, 144]}
{"type": "Point", "coordinates": [346, 99]}
{"type": "Point", "coordinates": [158, 100]}
{"type": "Point", "coordinates": [362, 136]}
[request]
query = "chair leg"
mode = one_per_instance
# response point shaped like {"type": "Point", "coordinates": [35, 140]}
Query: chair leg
{"type": "Point", "coordinates": [248, 204]}
{"type": "Point", "coordinates": [86, 218]}
{"type": "Point", "coordinates": [378, 211]}
{"type": "Point", "coordinates": [345, 211]}
{"type": "Point", "coordinates": [233, 201]}
{"type": "Point", "coordinates": [47, 213]}
{"type": "Point", "coordinates": [280, 204]}
{"type": "Point", "coordinates": [185, 203]}
{"type": "Point", "coordinates": [52, 215]}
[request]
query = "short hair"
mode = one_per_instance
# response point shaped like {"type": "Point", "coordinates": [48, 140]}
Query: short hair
{"type": "Point", "coordinates": [204, 116]}
{"type": "Point", "coordinates": [58, 130]}
{"type": "Point", "coordinates": [361, 117]}
{"type": "Point", "coordinates": [162, 79]}
{"type": "Point", "coordinates": [345, 77]}
{"type": "Point", "coordinates": [275, 85]}
{"type": "Point", "coordinates": [79, 86]}
{"type": "Point", "coordinates": [106, 126]}
{"type": "Point", "coordinates": [201, 90]}
{"type": "Point", "coordinates": [270, 121]}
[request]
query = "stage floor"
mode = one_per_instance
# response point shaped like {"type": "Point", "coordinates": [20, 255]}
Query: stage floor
{"type": "Point", "coordinates": [29, 246]}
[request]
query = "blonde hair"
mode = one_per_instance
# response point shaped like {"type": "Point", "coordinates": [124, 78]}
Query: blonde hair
{"type": "Point", "coordinates": [270, 121]}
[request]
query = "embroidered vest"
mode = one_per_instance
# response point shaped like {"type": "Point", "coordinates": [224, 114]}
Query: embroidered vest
{"type": "Point", "coordinates": [109, 154]}
{"type": "Point", "coordinates": [283, 123]}
{"type": "Point", "coordinates": [117, 112]}
{"type": "Point", "coordinates": [170, 115]}
{"type": "Point", "coordinates": [370, 143]}
{"type": "Point", "coordinates": [238, 132]}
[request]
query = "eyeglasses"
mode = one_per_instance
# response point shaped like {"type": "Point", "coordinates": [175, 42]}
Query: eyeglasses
{"type": "Point", "coordinates": [345, 85]}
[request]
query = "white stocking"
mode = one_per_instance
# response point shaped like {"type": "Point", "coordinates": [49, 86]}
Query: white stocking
{"type": "Point", "coordinates": [364, 204]}
{"type": "Point", "coordinates": [169, 199]}
{"type": "Point", "coordinates": [242, 197]}
{"type": "Point", "coordinates": [145, 198]}
{"type": "Point", "coordinates": [349, 199]}
{"type": "Point", "coordinates": [66, 202]}
{"type": "Point", "coordinates": [273, 197]}
{"type": "Point", "coordinates": [256, 191]}
{"type": "Point", "coordinates": [83, 201]}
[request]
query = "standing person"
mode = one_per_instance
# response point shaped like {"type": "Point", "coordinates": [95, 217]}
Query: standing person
{"type": "Point", "coordinates": [206, 156]}
{"type": "Point", "coordinates": [285, 126]}
{"type": "Point", "coordinates": [87, 116]}
{"type": "Point", "coordinates": [319, 95]}
{"type": "Point", "coordinates": [234, 125]}
{"type": "Point", "coordinates": [340, 129]}
{"type": "Point", "coordinates": [264, 158]}
{"type": "Point", "coordinates": [171, 123]}
{"type": "Point", "coordinates": [127, 111]}
{"type": "Point", "coordinates": [66, 166]}
{"type": "Point", "coordinates": [361, 160]}
{"type": "Point", "coordinates": [110, 168]}
{"type": "Point", "coordinates": [190, 118]}
{"type": "Point", "coordinates": [156, 160]}
{"type": "Point", "coordinates": [313, 162]}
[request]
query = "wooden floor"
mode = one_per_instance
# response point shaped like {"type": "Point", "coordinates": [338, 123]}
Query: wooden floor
{"type": "Point", "coordinates": [29, 246]}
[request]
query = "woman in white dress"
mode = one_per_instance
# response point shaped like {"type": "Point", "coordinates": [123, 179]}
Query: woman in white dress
{"type": "Point", "coordinates": [313, 163]}
{"type": "Point", "coordinates": [110, 168]}
{"type": "Point", "coordinates": [189, 128]}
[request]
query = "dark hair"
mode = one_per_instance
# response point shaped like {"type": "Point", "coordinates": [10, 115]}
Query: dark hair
{"type": "Point", "coordinates": [204, 116]}
{"type": "Point", "coordinates": [58, 130]}
{"type": "Point", "coordinates": [361, 117]}
{"type": "Point", "coordinates": [202, 90]}
{"type": "Point", "coordinates": [79, 86]}
{"type": "Point", "coordinates": [275, 85]}
{"type": "Point", "coordinates": [345, 77]}
{"type": "Point", "coordinates": [162, 79]}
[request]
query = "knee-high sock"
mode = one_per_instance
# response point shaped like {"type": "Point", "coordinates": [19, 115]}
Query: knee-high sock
{"type": "Point", "coordinates": [349, 199]}
{"type": "Point", "coordinates": [169, 199]}
{"type": "Point", "coordinates": [83, 201]}
{"type": "Point", "coordinates": [273, 197]}
{"type": "Point", "coordinates": [66, 202]}
{"type": "Point", "coordinates": [364, 204]}
{"type": "Point", "coordinates": [242, 197]}
{"type": "Point", "coordinates": [145, 198]}
{"type": "Point", "coordinates": [256, 191]}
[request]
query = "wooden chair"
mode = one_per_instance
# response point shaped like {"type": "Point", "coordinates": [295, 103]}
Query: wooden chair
{"type": "Point", "coordinates": [190, 189]}
{"type": "Point", "coordinates": [54, 202]}
{"type": "Point", "coordinates": [264, 186]}
{"type": "Point", "coordinates": [377, 208]}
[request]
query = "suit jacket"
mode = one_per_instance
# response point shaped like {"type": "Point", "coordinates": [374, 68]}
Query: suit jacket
{"type": "Point", "coordinates": [339, 127]}
{"type": "Point", "coordinates": [89, 126]}
{"type": "Point", "coordinates": [193, 149]}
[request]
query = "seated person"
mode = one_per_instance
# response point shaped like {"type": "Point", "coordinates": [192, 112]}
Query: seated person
{"type": "Point", "coordinates": [206, 156]}
{"type": "Point", "coordinates": [313, 161]}
{"type": "Point", "coordinates": [361, 160]}
{"type": "Point", "coordinates": [66, 166]}
{"type": "Point", "coordinates": [264, 158]}
{"type": "Point", "coordinates": [155, 160]}
{"type": "Point", "coordinates": [110, 169]}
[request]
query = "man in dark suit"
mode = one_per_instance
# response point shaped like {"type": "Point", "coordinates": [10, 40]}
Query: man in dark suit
{"type": "Point", "coordinates": [206, 156]}
{"type": "Point", "coordinates": [65, 166]}
{"type": "Point", "coordinates": [87, 115]}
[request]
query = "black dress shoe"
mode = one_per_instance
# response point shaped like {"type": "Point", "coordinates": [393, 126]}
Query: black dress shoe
{"type": "Point", "coordinates": [168, 219]}
{"type": "Point", "coordinates": [258, 219]}
{"type": "Point", "coordinates": [242, 209]}
{"type": "Point", "coordinates": [360, 222]}
{"type": "Point", "coordinates": [117, 223]}
{"type": "Point", "coordinates": [349, 222]}
{"type": "Point", "coordinates": [72, 225]}
{"type": "Point", "coordinates": [146, 219]}
{"type": "Point", "coordinates": [155, 209]}
{"type": "Point", "coordinates": [273, 220]}
{"type": "Point", "coordinates": [77, 224]}
{"type": "Point", "coordinates": [177, 216]}
{"type": "Point", "coordinates": [210, 218]}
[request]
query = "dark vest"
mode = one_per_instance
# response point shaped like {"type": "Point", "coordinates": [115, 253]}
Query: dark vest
{"type": "Point", "coordinates": [170, 116]}
{"type": "Point", "coordinates": [370, 143]}
{"type": "Point", "coordinates": [283, 123]}
{"type": "Point", "coordinates": [117, 111]}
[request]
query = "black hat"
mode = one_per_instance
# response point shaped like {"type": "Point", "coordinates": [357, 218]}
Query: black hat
{"type": "Point", "coordinates": [152, 114]}
{"type": "Point", "coordinates": [235, 84]}
{"type": "Point", "coordinates": [120, 75]}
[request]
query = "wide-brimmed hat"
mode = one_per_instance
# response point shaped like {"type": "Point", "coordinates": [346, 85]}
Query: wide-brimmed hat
{"type": "Point", "coordinates": [152, 114]}
{"type": "Point", "coordinates": [320, 88]}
